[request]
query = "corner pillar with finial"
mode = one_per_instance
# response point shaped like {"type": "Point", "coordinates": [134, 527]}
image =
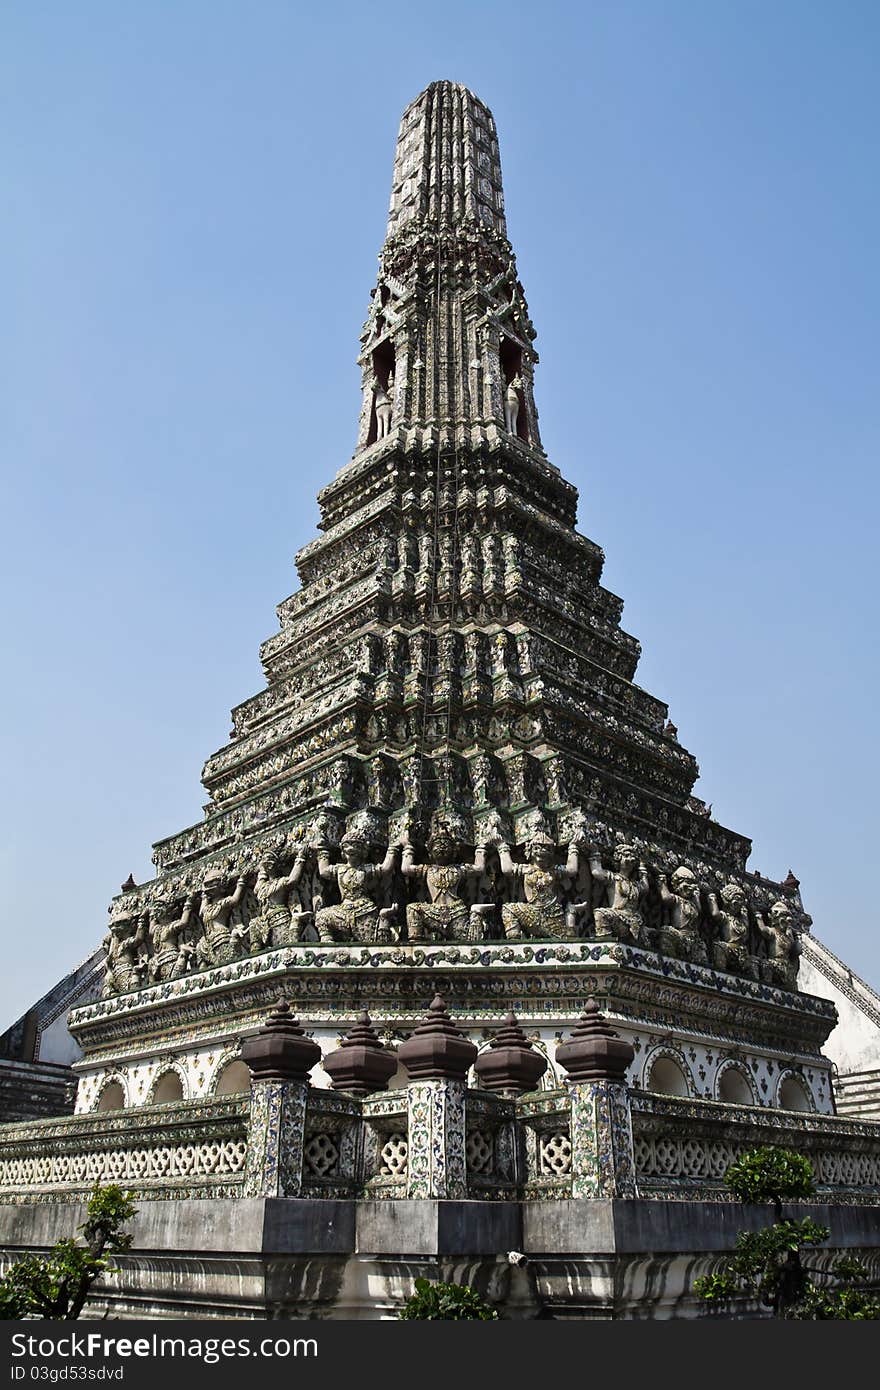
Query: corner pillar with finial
{"type": "Point", "coordinates": [279, 1058]}
{"type": "Point", "coordinates": [437, 1057]}
{"type": "Point", "coordinates": [596, 1060]}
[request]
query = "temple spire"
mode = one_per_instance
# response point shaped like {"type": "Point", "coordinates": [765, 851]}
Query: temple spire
{"type": "Point", "coordinates": [447, 358]}
{"type": "Point", "coordinates": [446, 167]}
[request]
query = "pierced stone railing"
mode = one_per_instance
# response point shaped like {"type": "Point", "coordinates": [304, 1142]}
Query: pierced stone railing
{"type": "Point", "coordinates": [331, 1156]}
{"type": "Point", "coordinates": [544, 1122]}
{"type": "Point", "coordinates": [579, 1141]}
{"type": "Point", "coordinates": [683, 1148]}
{"type": "Point", "coordinates": [186, 1149]}
{"type": "Point", "coordinates": [492, 1148]}
{"type": "Point", "coordinates": [385, 1154]}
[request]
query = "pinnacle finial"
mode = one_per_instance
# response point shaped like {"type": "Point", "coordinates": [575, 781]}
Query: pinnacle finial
{"type": "Point", "coordinates": [280, 1050]}
{"type": "Point", "coordinates": [436, 1049]}
{"type": "Point", "coordinates": [446, 167]}
{"type": "Point", "coordinates": [360, 1064]}
{"type": "Point", "coordinates": [510, 1063]}
{"type": "Point", "coordinates": [595, 1052]}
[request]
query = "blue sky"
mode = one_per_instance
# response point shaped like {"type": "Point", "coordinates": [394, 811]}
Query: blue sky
{"type": "Point", "coordinates": [194, 195]}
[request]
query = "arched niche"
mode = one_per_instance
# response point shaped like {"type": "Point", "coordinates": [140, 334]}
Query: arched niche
{"type": "Point", "coordinates": [112, 1097]}
{"type": "Point", "coordinates": [733, 1086]}
{"type": "Point", "coordinates": [383, 361]}
{"type": "Point", "coordinates": [511, 359]}
{"type": "Point", "coordinates": [793, 1093]}
{"type": "Point", "coordinates": [667, 1077]}
{"type": "Point", "coordinates": [167, 1088]}
{"type": "Point", "coordinates": [233, 1079]}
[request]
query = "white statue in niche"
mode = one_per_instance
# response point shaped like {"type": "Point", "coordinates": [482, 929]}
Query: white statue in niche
{"type": "Point", "coordinates": [384, 405]}
{"type": "Point", "coordinates": [511, 405]}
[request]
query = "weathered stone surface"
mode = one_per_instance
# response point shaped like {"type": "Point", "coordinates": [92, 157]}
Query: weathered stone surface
{"type": "Point", "coordinates": [280, 1051]}
{"type": "Point", "coordinates": [361, 1064]}
{"type": "Point", "coordinates": [437, 1049]}
{"type": "Point", "coordinates": [511, 1064]}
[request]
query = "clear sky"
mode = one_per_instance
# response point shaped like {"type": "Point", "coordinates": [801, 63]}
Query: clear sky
{"type": "Point", "coordinates": [194, 195]}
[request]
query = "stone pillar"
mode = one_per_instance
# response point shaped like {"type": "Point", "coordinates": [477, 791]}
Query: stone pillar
{"type": "Point", "coordinates": [279, 1057]}
{"type": "Point", "coordinates": [437, 1057]}
{"type": "Point", "coordinates": [596, 1059]}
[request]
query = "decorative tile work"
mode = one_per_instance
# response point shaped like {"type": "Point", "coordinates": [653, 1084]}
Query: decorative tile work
{"type": "Point", "coordinates": [193, 1022]}
{"type": "Point", "coordinates": [275, 1139]}
{"type": "Point", "coordinates": [601, 1141]}
{"type": "Point", "coordinates": [437, 1161]}
{"type": "Point", "coordinates": [683, 1147]}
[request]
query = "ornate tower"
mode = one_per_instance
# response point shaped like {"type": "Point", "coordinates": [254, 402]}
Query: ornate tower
{"type": "Point", "coordinates": [452, 644]}
{"type": "Point", "coordinates": [451, 779]}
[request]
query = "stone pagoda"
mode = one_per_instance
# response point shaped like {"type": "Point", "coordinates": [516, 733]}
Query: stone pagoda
{"type": "Point", "coordinates": [450, 829]}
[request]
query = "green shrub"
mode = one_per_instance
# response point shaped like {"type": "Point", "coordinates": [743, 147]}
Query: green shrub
{"type": "Point", "coordinates": [446, 1301]}
{"type": "Point", "coordinates": [771, 1175]}
{"type": "Point", "coordinates": [768, 1264]}
{"type": "Point", "coordinates": [57, 1285]}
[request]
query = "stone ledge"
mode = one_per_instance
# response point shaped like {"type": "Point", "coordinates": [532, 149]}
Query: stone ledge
{"type": "Point", "coordinates": [576, 1228]}
{"type": "Point", "coordinates": [428, 1227]}
{"type": "Point", "coordinates": [451, 956]}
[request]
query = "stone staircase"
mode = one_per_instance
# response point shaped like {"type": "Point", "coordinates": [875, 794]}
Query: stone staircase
{"type": "Point", "coordinates": [857, 1095]}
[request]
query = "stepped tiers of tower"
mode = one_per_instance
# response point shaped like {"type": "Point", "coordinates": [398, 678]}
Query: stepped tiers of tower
{"type": "Point", "coordinates": [328, 894]}
{"type": "Point", "coordinates": [450, 744]}
{"type": "Point", "coordinates": [450, 789]}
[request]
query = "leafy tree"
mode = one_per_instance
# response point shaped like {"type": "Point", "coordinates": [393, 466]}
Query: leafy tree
{"type": "Point", "coordinates": [57, 1285]}
{"type": "Point", "coordinates": [446, 1301]}
{"type": "Point", "coordinates": [768, 1264]}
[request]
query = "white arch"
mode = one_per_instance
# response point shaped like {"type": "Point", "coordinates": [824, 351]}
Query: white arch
{"type": "Point", "coordinates": [116, 1078]}
{"type": "Point", "coordinates": [162, 1071]}
{"type": "Point", "coordinates": [735, 1070]}
{"type": "Point", "coordinates": [795, 1086]}
{"type": "Point", "coordinates": [668, 1053]}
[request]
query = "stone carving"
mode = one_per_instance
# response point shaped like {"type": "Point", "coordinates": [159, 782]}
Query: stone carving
{"type": "Point", "coordinates": [126, 934]}
{"type": "Point", "coordinates": [783, 946]}
{"type": "Point", "coordinates": [626, 886]}
{"type": "Point", "coordinates": [282, 920]}
{"type": "Point", "coordinates": [446, 917]}
{"type": "Point", "coordinates": [680, 935]}
{"type": "Point", "coordinates": [169, 936]}
{"type": "Point", "coordinates": [542, 915]}
{"type": "Point", "coordinates": [511, 405]}
{"type": "Point", "coordinates": [451, 644]}
{"type": "Point", "coordinates": [221, 941]}
{"type": "Point", "coordinates": [482, 776]}
{"type": "Point", "coordinates": [383, 396]}
{"type": "Point", "coordinates": [730, 950]}
{"type": "Point", "coordinates": [358, 916]}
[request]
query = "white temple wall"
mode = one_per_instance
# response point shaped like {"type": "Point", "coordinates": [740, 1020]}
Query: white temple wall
{"type": "Point", "coordinates": [660, 1060]}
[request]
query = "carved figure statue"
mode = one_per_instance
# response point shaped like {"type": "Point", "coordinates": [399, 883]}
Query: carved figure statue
{"type": "Point", "coordinates": [481, 769]}
{"type": "Point", "coordinates": [511, 405]}
{"type": "Point", "coordinates": [357, 918]}
{"type": "Point", "coordinates": [446, 917]}
{"type": "Point", "coordinates": [784, 947]}
{"type": "Point", "coordinates": [169, 959]}
{"type": "Point", "coordinates": [542, 914]}
{"type": "Point", "coordinates": [470, 562]}
{"type": "Point", "coordinates": [281, 919]}
{"type": "Point", "coordinates": [730, 951]}
{"type": "Point", "coordinates": [384, 405]}
{"type": "Point", "coordinates": [126, 933]}
{"type": "Point", "coordinates": [220, 943]}
{"type": "Point", "coordinates": [681, 935]}
{"type": "Point", "coordinates": [626, 885]}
